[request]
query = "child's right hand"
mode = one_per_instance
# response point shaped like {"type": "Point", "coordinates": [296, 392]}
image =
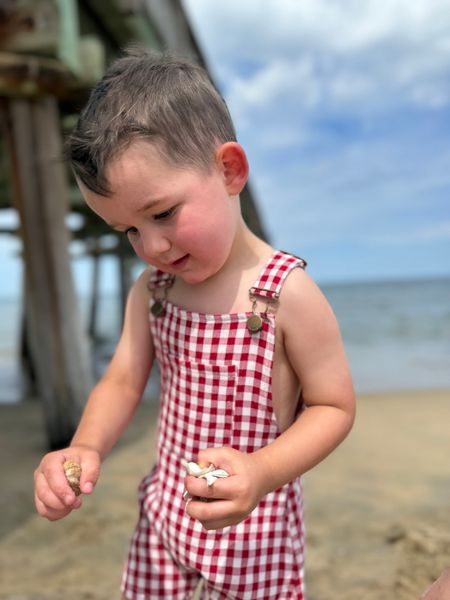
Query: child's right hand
{"type": "Point", "coordinates": [53, 496]}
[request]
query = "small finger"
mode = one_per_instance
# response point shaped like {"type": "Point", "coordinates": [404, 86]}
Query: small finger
{"type": "Point", "coordinates": [90, 470]}
{"type": "Point", "coordinates": [220, 457]}
{"type": "Point", "coordinates": [197, 486]}
{"type": "Point", "coordinates": [48, 495]}
{"type": "Point", "coordinates": [57, 482]}
{"type": "Point", "coordinates": [52, 514]}
{"type": "Point", "coordinates": [208, 511]}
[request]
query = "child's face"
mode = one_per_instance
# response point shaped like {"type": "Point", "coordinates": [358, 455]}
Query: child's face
{"type": "Point", "coordinates": [179, 220]}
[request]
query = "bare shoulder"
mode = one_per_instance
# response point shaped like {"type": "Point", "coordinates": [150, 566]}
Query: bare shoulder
{"type": "Point", "coordinates": [312, 339]}
{"type": "Point", "coordinates": [141, 283]}
{"type": "Point", "coordinates": [302, 301]}
{"type": "Point", "coordinates": [138, 296]}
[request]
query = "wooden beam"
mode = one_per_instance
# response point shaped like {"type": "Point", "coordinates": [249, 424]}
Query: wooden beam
{"type": "Point", "coordinates": [27, 76]}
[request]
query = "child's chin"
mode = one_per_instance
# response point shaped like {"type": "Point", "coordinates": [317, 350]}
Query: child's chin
{"type": "Point", "coordinates": [193, 277]}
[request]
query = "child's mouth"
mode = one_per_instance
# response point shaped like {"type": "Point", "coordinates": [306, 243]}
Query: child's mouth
{"type": "Point", "coordinates": [180, 262]}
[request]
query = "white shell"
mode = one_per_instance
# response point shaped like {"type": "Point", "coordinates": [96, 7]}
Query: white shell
{"type": "Point", "coordinates": [196, 470]}
{"type": "Point", "coordinates": [216, 474]}
{"type": "Point", "coordinates": [210, 473]}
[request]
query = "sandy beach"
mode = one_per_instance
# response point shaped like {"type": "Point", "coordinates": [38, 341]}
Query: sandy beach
{"type": "Point", "coordinates": [377, 510]}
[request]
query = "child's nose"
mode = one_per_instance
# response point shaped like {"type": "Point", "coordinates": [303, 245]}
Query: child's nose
{"type": "Point", "coordinates": [155, 244]}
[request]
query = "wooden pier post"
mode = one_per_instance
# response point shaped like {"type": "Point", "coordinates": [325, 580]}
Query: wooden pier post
{"type": "Point", "coordinates": [94, 297]}
{"type": "Point", "coordinates": [58, 342]}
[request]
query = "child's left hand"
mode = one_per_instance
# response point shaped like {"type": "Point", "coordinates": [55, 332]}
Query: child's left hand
{"type": "Point", "coordinates": [234, 497]}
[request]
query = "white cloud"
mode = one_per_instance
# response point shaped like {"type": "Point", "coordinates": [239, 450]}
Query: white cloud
{"type": "Point", "coordinates": [343, 25]}
{"type": "Point", "coordinates": [352, 55]}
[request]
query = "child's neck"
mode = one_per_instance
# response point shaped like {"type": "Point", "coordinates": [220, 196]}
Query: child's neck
{"type": "Point", "coordinates": [246, 252]}
{"type": "Point", "coordinates": [227, 290]}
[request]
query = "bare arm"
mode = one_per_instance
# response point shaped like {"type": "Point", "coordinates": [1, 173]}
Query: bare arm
{"type": "Point", "coordinates": [114, 399]}
{"type": "Point", "coordinates": [109, 409]}
{"type": "Point", "coordinates": [314, 347]}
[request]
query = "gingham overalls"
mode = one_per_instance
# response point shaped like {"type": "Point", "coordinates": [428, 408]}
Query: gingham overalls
{"type": "Point", "coordinates": [215, 391]}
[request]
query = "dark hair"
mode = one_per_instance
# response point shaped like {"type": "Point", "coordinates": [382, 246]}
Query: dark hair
{"type": "Point", "coordinates": [167, 100]}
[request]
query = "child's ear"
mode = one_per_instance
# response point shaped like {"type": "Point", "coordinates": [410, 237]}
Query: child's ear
{"type": "Point", "coordinates": [232, 161]}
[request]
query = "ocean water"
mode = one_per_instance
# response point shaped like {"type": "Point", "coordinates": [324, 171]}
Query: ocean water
{"type": "Point", "coordinates": [396, 334]}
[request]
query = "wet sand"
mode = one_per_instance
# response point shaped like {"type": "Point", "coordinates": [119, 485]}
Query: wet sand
{"type": "Point", "coordinates": [377, 510]}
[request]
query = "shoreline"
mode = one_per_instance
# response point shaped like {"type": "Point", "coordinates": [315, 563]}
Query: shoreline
{"type": "Point", "coordinates": [377, 510]}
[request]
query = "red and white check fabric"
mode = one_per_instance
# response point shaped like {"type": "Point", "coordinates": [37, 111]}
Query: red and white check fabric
{"type": "Point", "coordinates": [215, 391]}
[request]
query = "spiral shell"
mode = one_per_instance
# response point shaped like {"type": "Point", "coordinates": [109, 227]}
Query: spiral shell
{"type": "Point", "coordinates": [73, 474]}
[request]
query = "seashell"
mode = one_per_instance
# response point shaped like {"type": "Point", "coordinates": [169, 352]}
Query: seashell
{"type": "Point", "coordinates": [210, 473]}
{"type": "Point", "coordinates": [213, 475]}
{"type": "Point", "coordinates": [196, 470]}
{"type": "Point", "coordinates": [73, 473]}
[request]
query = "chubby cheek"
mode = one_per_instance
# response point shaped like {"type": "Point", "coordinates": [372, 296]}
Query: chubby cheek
{"type": "Point", "coordinates": [212, 245]}
{"type": "Point", "coordinates": [213, 251]}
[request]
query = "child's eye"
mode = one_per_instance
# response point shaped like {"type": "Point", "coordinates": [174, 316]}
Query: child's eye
{"type": "Point", "coordinates": [162, 216]}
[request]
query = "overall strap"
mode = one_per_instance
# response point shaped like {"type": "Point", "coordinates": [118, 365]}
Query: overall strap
{"type": "Point", "coordinates": [270, 281]}
{"type": "Point", "coordinates": [159, 280]}
{"type": "Point", "coordinates": [158, 284]}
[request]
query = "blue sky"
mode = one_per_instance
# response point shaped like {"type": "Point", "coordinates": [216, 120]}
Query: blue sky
{"type": "Point", "coordinates": [343, 109]}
